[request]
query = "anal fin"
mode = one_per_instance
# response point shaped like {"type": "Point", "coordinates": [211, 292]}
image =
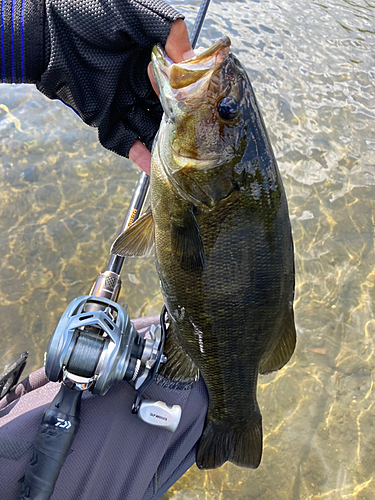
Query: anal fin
{"type": "Point", "coordinates": [179, 366]}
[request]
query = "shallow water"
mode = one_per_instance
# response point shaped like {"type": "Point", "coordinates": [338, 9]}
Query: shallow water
{"type": "Point", "coordinates": [63, 200]}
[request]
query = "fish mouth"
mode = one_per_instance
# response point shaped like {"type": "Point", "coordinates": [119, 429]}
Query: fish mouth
{"type": "Point", "coordinates": [195, 71]}
{"type": "Point", "coordinates": [186, 84]}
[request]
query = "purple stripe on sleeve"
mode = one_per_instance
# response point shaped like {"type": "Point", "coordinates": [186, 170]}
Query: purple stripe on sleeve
{"type": "Point", "coordinates": [22, 49]}
{"type": "Point", "coordinates": [2, 39]}
{"type": "Point", "coordinates": [12, 38]}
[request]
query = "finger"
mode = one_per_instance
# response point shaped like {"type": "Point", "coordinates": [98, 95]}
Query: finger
{"type": "Point", "coordinates": [141, 156]}
{"type": "Point", "coordinates": [178, 45]}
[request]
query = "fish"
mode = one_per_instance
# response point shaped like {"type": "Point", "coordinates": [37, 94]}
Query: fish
{"type": "Point", "coordinates": [223, 244]}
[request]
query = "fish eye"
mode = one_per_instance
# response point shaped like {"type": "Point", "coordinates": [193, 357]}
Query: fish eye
{"type": "Point", "coordinates": [228, 108]}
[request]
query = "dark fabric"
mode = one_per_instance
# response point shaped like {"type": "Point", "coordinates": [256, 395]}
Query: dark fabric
{"type": "Point", "coordinates": [115, 456]}
{"type": "Point", "coordinates": [22, 41]}
{"type": "Point", "coordinates": [11, 449]}
{"type": "Point", "coordinates": [93, 56]}
{"type": "Point", "coordinates": [99, 52]}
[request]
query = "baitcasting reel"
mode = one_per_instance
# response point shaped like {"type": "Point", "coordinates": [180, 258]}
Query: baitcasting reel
{"type": "Point", "coordinates": [96, 345]}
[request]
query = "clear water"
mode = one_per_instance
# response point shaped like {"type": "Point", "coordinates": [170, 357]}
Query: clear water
{"type": "Point", "coordinates": [63, 200]}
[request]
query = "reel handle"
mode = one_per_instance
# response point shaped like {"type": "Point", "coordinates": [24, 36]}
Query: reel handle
{"type": "Point", "coordinates": [160, 414]}
{"type": "Point", "coordinates": [51, 444]}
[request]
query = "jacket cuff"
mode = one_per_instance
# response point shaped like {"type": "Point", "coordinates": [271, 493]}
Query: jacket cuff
{"type": "Point", "coordinates": [22, 40]}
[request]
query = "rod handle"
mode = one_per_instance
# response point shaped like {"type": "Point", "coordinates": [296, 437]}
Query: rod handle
{"type": "Point", "coordinates": [51, 445]}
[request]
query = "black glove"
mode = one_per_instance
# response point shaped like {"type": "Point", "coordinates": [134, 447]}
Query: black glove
{"type": "Point", "coordinates": [93, 56]}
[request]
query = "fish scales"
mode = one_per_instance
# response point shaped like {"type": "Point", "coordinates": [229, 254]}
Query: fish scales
{"type": "Point", "coordinates": [223, 244]}
{"type": "Point", "coordinates": [218, 300]}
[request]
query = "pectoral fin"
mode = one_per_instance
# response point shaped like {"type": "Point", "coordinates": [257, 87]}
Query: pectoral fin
{"type": "Point", "coordinates": [137, 240]}
{"type": "Point", "coordinates": [187, 241]}
{"type": "Point", "coordinates": [284, 348]}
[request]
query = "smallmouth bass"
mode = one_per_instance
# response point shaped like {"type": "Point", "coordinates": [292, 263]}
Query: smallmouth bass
{"type": "Point", "coordinates": [224, 250]}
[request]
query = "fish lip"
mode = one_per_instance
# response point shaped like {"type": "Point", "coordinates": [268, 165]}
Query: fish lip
{"type": "Point", "coordinates": [161, 54]}
{"type": "Point", "coordinates": [181, 75]}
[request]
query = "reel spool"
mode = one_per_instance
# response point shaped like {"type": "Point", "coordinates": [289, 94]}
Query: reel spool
{"type": "Point", "coordinates": [92, 344]}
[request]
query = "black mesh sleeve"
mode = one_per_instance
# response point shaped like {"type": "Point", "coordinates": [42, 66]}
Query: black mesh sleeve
{"type": "Point", "coordinates": [94, 59]}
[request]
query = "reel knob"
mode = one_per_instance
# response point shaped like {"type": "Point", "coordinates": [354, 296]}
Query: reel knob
{"type": "Point", "coordinates": [160, 414]}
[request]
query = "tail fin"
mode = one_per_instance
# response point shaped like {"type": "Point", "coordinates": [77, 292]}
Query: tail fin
{"type": "Point", "coordinates": [241, 445]}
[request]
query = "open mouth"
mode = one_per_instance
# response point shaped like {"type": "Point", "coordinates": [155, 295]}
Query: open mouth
{"type": "Point", "coordinates": [189, 78]}
{"type": "Point", "coordinates": [187, 83]}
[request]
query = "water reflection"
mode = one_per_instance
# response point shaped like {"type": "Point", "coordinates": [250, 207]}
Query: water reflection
{"type": "Point", "coordinates": [63, 201]}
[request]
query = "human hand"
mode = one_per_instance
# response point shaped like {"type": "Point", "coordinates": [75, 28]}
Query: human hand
{"type": "Point", "coordinates": [179, 49]}
{"type": "Point", "coordinates": [96, 54]}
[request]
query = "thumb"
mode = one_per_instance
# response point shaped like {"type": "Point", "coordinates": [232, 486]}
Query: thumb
{"type": "Point", "coordinates": [178, 46]}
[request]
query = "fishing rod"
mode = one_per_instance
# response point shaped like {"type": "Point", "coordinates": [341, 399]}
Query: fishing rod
{"type": "Point", "coordinates": [141, 190]}
{"type": "Point", "coordinates": [94, 346]}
